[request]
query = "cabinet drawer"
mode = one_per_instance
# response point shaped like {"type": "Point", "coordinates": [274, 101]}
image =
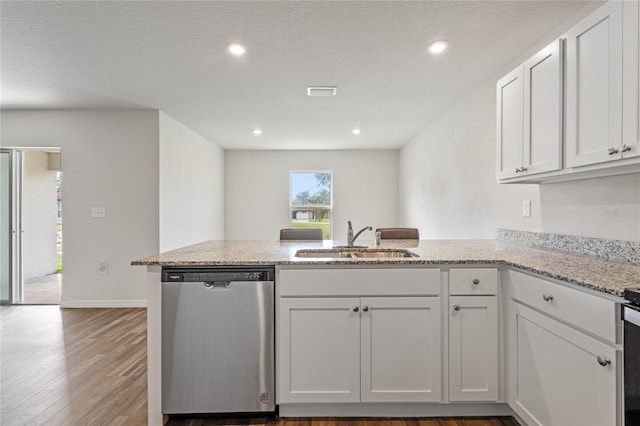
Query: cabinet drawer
{"type": "Point", "coordinates": [592, 313]}
{"type": "Point", "coordinates": [359, 282]}
{"type": "Point", "coordinates": [462, 282]}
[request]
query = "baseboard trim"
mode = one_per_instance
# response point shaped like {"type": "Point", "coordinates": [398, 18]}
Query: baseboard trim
{"type": "Point", "coordinates": [395, 410]}
{"type": "Point", "coordinates": [103, 304]}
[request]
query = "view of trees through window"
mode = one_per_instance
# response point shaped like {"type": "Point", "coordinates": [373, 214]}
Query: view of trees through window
{"type": "Point", "coordinates": [311, 201]}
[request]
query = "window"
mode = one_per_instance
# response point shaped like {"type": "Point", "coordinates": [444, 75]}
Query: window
{"type": "Point", "coordinates": [311, 200]}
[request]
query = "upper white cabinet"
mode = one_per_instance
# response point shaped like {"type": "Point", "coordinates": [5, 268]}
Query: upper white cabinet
{"type": "Point", "coordinates": [594, 87]}
{"type": "Point", "coordinates": [631, 83]}
{"type": "Point", "coordinates": [529, 116]}
{"type": "Point", "coordinates": [591, 126]}
{"type": "Point", "coordinates": [509, 126]}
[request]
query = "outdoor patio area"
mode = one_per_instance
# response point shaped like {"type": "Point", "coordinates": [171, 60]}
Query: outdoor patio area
{"type": "Point", "coordinates": [43, 290]}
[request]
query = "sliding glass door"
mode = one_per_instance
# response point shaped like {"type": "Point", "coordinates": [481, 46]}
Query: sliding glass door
{"type": "Point", "coordinates": [6, 233]}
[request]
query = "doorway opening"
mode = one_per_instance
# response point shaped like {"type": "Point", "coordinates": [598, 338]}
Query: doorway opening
{"type": "Point", "coordinates": [32, 233]}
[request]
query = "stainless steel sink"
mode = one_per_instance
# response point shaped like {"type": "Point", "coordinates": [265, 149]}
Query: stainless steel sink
{"type": "Point", "coordinates": [324, 254]}
{"type": "Point", "coordinates": [354, 253]}
{"type": "Point", "coordinates": [382, 254]}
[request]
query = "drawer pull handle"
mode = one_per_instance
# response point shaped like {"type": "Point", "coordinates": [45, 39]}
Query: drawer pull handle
{"type": "Point", "coordinates": [456, 307]}
{"type": "Point", "coordinates": [356, 308]}
{"type": "Point", "coordinates": [547, 297]}
{"type": "Point", "coordinates": [365, 309]}
{"type": "Point", "coordinates": [475, 281]}
{"type": "Point", "coordinates": [612, 151]}
{"type": "Point", "coordinates": [603, 361]}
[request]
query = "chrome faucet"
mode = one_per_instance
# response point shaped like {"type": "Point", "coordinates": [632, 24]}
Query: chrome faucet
{"type": "Point", "coordinates": [352, 238]}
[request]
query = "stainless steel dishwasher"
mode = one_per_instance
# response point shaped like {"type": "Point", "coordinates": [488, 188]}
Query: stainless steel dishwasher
{"type": "Point", "coordinates": [218, 340]}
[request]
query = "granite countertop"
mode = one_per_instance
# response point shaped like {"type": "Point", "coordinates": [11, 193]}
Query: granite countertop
{"type": "Point", "coordinates": [609, 276]}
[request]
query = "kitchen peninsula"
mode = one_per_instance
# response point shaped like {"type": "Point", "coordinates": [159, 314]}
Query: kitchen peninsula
{"type": "Point", "coordinates": [480, 316]}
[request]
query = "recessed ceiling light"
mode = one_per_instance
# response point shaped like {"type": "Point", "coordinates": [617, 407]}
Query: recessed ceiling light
{"type": "Point", "coordinates": [236, 49]}
{"type": "Point", "coordinates": [356, 131]}
{"type": "Point", "coordinates": [257, 132]}
{"type": "Point", "coordinates": [437, 46]}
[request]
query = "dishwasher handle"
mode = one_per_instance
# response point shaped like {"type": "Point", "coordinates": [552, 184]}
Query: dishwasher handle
{"type": "Point", "coordinates": [217, 284]}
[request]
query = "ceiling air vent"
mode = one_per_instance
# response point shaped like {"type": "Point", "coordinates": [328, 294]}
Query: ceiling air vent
{"type": "Point", "coordinates": [322, 90]}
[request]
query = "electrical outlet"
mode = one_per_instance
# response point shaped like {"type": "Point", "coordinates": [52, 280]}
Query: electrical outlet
{"type": "Point", "coordinates": [98, 212]}
{"type": "Point", "coordinates": [526, 208]}
{"type": "Point", "coordinates": [102, 268]}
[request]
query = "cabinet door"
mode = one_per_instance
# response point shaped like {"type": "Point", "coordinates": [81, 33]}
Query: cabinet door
{"type": "Point", "coordinates": [542, 150]}
{"type": "Point", "coordinates": [559, 376]}
{"type": "Point", "coordinates": [509, 124]}
{"type": "Point", "coordinates": [401, 349]}
{"type": "Point", "coordinates": [319, 350]}
{"type": "Point", "coordinates": [630, 79]}
{"type": "Point", "coordinates": [473, 348]}
{"type": "Point", "coordinates": [594, 87]}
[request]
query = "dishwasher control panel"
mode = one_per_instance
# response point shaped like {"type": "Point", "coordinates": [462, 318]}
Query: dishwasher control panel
{"type": "Point", "coordinates": [212, 275]}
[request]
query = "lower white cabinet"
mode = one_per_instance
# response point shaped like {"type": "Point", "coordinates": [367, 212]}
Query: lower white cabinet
{"type": "Point", "coordinates": [473, 348]}
{"type": "Point", "coordinates": [563, 353]}
{"type": "Point", "coordinates": [344, 349]}
{"type": "Point", "coordinates": [561, 376]}
{"type": "Point", "coordinates": [319, 350]}
{"type": "Point", "coordinates": [400, 347]}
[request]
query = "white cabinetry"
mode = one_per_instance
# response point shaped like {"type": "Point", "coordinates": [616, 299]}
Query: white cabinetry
{"type": "Point", "coordinates": [473, 335]}
{"type": "Point", "coordinates": [334, 347]}
{"type": "Point", "coordinates": [509, 125]}
{"type": "Point", "coordinates": [400, 349]}
{"type": "Point", "coordinates": [321, 356]}
{"type": "Point", "coordinates": [529, 115]}
{"type": "Point", "coordinates": [559, 370]}
{"type": "Point", "coordinates": [598, 109]}
{"type": "Point", "coordinates": [594, 87]}
{"type": "Point", "coordinates": [631, 79]}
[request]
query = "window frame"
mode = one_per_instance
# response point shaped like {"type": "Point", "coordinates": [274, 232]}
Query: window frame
{"type": "Point", "coordinates": [329, 207]}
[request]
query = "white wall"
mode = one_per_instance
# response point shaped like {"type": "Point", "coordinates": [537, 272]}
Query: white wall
{"type": "Point", "coordinates": [365, 185]}
{"type": "Point", "coordinates": [603, 207]}
{"type": "Point", "coordinates": [40, 208]}
{"type": "Point", "coordinates": [447, 177]}
{"type": "Point", "coordinates": [191, 186]}
{"type": "Point", "coordinates": [109, 159]}
{"type": "Point", "coordinates": [448, 187]}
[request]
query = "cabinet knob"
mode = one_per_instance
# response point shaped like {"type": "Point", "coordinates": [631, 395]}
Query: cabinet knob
{"type": "Point", "coordinates": [356, 308]}
{"type": "Point", "coordinates": [475, 281]}
{"type": "Point", "coordinates": [518, 170]}
{"type": "Point", "coordinates": [547, 297]}
{"type": "Point", "coordinates": [523, 169]}
{"type": "Point", "coordinates": [612, 151]}
{"type": "Point", "coordinates": [625, 148]}
{"type": "Point", "coordinates": [456, 307]}
{"type": "Point", "coordinates": [365, 309]}
{"type": "Point", "coordinates": [603, 361]}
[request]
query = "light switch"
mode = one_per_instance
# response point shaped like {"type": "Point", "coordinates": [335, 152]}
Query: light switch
{"type": "Point", "coordinates": [98, 212]}
{"type": "Point", "coordinates": [526, 208]}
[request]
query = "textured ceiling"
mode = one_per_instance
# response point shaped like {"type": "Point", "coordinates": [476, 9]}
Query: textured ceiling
{"type": "Point", "coordinates": [170, 55]}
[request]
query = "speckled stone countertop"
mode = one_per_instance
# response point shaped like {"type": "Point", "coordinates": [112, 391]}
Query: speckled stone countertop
{"type": "Point", "coordinates": [596, 273]}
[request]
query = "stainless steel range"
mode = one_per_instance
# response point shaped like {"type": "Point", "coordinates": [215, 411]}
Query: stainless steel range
{"type": "Point", "coordinates": [631, 316]}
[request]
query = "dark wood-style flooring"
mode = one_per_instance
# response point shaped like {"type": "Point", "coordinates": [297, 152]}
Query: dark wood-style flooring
{"type": "Point", "coordinates": [88, 367]}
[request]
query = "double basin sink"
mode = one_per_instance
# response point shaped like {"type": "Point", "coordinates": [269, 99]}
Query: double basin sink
{"type": "Point", "coordinates": [354, 253]}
